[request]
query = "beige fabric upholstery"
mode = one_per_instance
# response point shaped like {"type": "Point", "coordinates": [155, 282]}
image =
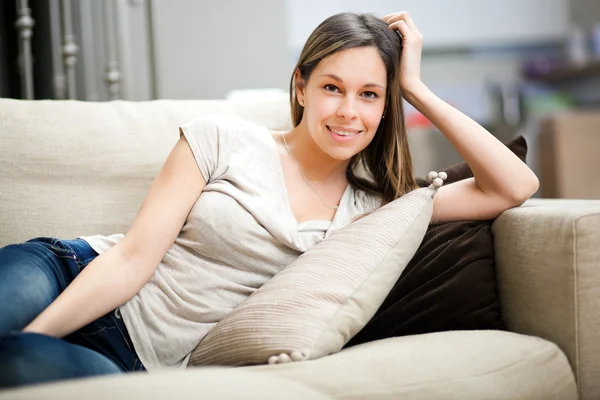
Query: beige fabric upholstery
{"type": "Point", "coordinates": [320, 301]}
{"type": "Point", "coordinates": [83, 168]}
{"type": "Point", "coordinates": [205, 383]}
{"type": "Point", "coordinates": [548, 266]}
{"type": "Point", "coordinates": [449, 365]}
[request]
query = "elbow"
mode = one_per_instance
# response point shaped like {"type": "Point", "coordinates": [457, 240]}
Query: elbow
{"type": "Point", "coordinates": [524, 190]}
{"type": "Point", "coordinates": [535, 185]}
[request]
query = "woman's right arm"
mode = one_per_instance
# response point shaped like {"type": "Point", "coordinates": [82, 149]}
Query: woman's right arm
{"type": "Point", "coordinates": [118, 274]}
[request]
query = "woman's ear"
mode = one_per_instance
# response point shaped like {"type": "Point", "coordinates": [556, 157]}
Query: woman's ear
{"type": "Point", "coordinates": [299, 85]}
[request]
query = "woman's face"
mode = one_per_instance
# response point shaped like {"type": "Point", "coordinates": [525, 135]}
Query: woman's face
{"type": "Point", "coordinates": [344, 100]}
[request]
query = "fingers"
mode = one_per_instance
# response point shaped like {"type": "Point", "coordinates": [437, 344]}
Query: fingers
{"type": "Point", "coordinates": [401, 27]}
{"type": "Point", "coordinates": [390, 19]}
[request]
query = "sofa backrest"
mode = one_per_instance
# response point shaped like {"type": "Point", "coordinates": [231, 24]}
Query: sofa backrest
{"type": "Point", "coordinates": [73, 168]}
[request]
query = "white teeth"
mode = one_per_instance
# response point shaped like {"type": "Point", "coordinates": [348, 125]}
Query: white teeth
{"type": "Point", "coordinates": [342, 133]}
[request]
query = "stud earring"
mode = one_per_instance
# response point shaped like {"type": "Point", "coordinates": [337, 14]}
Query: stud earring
{"type": "Point", "coordinates": [302, 103]}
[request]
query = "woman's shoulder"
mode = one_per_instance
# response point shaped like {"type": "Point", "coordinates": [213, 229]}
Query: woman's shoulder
{"type": "Point", "coordinates": [226, 131]}
{"type": "Point", "coordinates": [223, 122]}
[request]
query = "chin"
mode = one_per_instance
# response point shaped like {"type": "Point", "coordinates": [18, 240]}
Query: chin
{"type": "Point", "coordinates": [342, 154]}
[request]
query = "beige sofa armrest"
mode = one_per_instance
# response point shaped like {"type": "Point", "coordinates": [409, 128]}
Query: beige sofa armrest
{"type": "Point", "coordinates": [548, 268]}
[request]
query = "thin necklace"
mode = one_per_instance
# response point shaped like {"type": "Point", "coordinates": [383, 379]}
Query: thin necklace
{"type": "Point", "coordinates": [304, 177]}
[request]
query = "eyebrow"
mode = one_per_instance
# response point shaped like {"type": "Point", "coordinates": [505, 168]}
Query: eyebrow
{"type": "Point", "coordinates": [337, 78]}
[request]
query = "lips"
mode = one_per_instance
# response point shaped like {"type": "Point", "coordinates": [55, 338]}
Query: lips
{"type": "Point", "coordinates": [341, 138]}
{"type": "Point", "coordinates": [343, 131]}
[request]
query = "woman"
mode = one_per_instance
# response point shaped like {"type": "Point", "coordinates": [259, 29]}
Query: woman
{"type": "Point", "coordinates": [235, 203]}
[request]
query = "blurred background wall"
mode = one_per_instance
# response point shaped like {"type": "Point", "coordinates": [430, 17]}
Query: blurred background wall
{"type": "Point", "coordinates": [515, 66]}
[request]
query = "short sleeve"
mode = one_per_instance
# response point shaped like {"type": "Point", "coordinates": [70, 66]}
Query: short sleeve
{"type": "Point", "coordinates": [211, 139]}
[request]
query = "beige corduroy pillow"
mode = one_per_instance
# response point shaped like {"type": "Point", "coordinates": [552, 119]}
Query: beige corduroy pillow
{"type": "Point", "coordinates": [314, 306]}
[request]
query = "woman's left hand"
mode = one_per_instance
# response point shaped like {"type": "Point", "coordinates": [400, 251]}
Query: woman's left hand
{"type": "Point", "coordinates": [412, 44]}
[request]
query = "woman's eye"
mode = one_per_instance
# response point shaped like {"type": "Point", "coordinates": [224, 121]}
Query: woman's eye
{"type": "Point", "coordinates": [371, 95]}
{"type": "Point", "coordinates": [330, 88]}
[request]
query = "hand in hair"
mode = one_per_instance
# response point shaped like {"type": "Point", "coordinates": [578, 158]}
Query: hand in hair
{"type": "Point", "coordinates": [412, 44]}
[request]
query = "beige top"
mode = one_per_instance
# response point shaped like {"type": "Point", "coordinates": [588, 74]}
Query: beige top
{"type": "Point", "coordinates": [240, 232]}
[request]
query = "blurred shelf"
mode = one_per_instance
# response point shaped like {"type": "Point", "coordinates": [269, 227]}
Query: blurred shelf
{"type": "Point", "coordinates": [564, 73]}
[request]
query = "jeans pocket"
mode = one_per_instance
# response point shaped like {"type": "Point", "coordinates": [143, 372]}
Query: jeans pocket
{"type": "Point", "coordinates": [82, 252]}
{"type": "Point", "coordinates": [61, 251]}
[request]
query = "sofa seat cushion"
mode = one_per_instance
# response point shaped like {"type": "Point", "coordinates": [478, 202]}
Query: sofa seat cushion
{"type": "Point", "coordinates": [196, 383]}
{"type": "Point", "coordinates": [444, 365]}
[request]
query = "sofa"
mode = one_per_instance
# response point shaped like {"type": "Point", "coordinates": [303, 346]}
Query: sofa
{"type": "Point", "coordinates": [72, 168]}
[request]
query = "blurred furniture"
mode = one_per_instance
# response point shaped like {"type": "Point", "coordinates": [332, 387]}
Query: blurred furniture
{"type": "Point", "coordinates": [71, 168]}
{"type": "Point", "coordinates": [76, 49]}
{"type": "Point", "coordinates": [568, 155]}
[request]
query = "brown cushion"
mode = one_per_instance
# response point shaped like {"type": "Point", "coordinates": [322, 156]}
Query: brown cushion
{"type": "Point", "coordinates": [462, 171]}
{"type": "Point", "coordinates": [450, 283]}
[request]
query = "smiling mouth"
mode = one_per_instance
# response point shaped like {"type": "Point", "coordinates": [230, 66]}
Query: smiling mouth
{"type": "Point", "coordinates": [342, 132]}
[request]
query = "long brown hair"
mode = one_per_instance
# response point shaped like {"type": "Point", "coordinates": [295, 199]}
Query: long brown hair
{"type": "Point", "coordinates": [386, 160]}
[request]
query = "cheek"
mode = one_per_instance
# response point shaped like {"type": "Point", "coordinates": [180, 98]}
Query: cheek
{"type": "Point", "coordinates": [322, 109]}
{"type": "Point", "coordinates": [372, 117]}
{"type": "Point", "coordinates": [325, 105]}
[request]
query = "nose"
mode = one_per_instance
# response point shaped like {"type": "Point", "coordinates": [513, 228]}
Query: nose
{"type": "Point", "coordinates": [347, 108]}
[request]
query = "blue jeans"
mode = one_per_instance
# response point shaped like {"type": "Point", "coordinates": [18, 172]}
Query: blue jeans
{"type": "Point", "coordinates": [32, 275]}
